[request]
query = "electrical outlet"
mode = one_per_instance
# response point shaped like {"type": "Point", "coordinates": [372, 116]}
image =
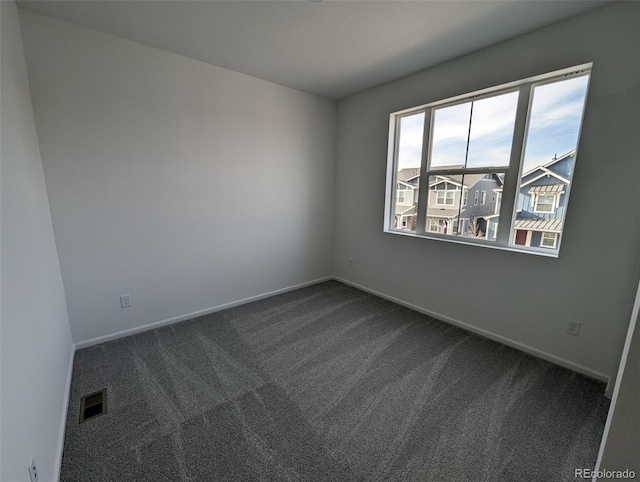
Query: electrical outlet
{"type": "Point", "coordinates": [125, 301]}
{"type": "Point", "coordinates": [573, 328]}
{"type": "Point", "coordinates": [33, 470]}
{"type": "Point", "coordinates": [350, 263]}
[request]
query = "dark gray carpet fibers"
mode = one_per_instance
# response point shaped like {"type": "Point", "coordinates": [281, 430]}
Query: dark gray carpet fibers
{"type": "Point", "coordinates": [327, 383]}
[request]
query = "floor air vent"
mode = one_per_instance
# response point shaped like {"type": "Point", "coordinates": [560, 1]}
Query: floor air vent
{"type": "Point", "coordinates": [93, 405]}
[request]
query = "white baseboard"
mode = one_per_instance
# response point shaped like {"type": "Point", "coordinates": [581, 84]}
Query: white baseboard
{"type": "Point", "coordinates": [188, 316]}
{"type": "Point", "coordinates": [487, 334]}
{"type": "Point", "coordinates": [63, 416]}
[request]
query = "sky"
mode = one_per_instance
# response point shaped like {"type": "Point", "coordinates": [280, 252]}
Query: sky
{"type": "Point", "coordinates": [553, 128]}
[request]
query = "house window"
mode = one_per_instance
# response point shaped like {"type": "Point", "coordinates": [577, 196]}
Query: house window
{"type": "Point", "coordinates": [503, 137]}
{"type": "Point", "coordinates": [549, 240]}
{"type": "Point", "coordinates": [545, 204]}
{"type": "Point", "coordinates": [454, 226]}
{"type": "Point", "coordinates": [437, 225]}
{"type": "Point", "coordinates": [445, 198]}
{"type": "Point", "coordinates": [400, 197]}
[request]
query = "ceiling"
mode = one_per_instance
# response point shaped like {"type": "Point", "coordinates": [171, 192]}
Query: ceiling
{"type": "Point", "coordinates": [332, 49]}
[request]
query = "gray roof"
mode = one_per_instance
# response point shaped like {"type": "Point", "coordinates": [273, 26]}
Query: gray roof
{"type": "Point", "coordinates": [406, 210]}
{"type": "Point", "coordinates": [548, 188]}
{"type": "Point", "coordinates": [538, 224]}
{"type": "Point", "coordinates": [407, 173]}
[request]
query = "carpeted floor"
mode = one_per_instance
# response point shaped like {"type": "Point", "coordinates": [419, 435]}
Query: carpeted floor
{"type": "Point", "coordinates": [327, 383]}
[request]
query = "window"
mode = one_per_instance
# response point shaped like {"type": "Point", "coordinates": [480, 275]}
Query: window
{"type": "Point", "coordinates": [517, 141]}
{"type": "Point", "coordinates": [401, 198]}
{"type": "Point", "coordinates": [498, 202]}
{"type": "Point", "coordinates": [545, 204]}
{"type": "Point", "coordinates": [548, 240]}
{"type": "Point", "coordinates": [437, 225]}
{"type": "Point", "coordinates": [445, 198]}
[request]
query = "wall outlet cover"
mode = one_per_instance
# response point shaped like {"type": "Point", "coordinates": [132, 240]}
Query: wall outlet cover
{"type": "Point", "coordinates": [33, 470]}
{"type": "Point", "coordinates": [125, 301]}
{"type": "Point", "coordinates": [573, 327]}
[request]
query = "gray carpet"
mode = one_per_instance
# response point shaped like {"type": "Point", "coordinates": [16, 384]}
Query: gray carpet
{"type": "Point", "coordinates": [327, 383]}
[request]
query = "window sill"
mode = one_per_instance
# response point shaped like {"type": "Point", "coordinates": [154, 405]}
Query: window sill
{"type": "Point", "coordinates": [544, 252]}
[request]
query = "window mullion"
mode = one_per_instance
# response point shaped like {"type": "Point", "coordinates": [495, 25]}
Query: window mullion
{"type": "Point", "coordinates": [390, 196]}
{"type": "Point", "coordinates": [511, 179]}
{"type": "Point", "coordinates": [423, 190]}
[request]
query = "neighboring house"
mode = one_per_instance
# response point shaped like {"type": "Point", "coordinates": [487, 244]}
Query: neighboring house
{"type": "Point", "coordinates": [456, 201]}
{"type": "Point", "coordinates": [407, 182]}
{"type": "Point", "coordinates": [542, 203]}
{"type": "Point", "coordinates": [473, 196]}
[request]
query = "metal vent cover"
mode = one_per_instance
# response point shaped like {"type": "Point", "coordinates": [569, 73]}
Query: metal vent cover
{"type": "Point", "coordinates": [93, 405]}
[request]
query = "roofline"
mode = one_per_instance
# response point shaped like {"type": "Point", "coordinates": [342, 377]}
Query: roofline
{"type": "Point", "coordinates": [401, 213]}
{"type": "Point", "coordinates": [553, 161]}
{"type": "Point", "coordinates": [446, 179]}
{"type": "Point", "coordinates": [546, 172]}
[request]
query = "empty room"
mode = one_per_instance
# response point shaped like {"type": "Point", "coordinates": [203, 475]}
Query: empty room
{"type": "Point", "coordinates": [318, 240]}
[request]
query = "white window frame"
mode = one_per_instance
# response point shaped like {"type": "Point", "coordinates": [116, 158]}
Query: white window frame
{"type": "Point", "coordinates": [555, 240]}
{"type": "Point", "coordinates": [475, 197]}
{"type": "Point", "coordinates": [401, 196]}
{"type": "Point", "coordinates": [465, 195]}
{"type": "Point", "coordinates": [483, 198]}
{"type": "Point", "coordinates": [536, 201]}
{"type": "Point", "coordinates": [505, 239]}
{"type": "Point", "coordinates": [445, 193]}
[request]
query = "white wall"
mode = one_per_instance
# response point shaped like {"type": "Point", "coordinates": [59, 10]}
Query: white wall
{"type": "Point", "coordinates": [519, 297]}
{"type": "Point", "coordinates": [620, 449]}
{"type": "Point", "coordinates": [184, 185]}
{"type": "Point", "coordinates": [35, 347]}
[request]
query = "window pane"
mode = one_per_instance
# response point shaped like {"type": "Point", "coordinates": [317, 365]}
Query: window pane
{"type": "Point", "coordinates": [443, 204]}
{"type": "Point", "coordinates": [548, 163]}
{"type": "Point", "coordinates": [548, 240]}
{"type": "Point", "coordinates": [408, 171]}
{"type": "Point", "coordinates": [491, 134]}
{"type": "Point", "coordinates": [480, 220]}
{"type": "Point", "coordinates": [446, 214]}
{"type": "Point", "coordinates": [474, 134]}
{"type": "Point", "coordinates": [450, 133]}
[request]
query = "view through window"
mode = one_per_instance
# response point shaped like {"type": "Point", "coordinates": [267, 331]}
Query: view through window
{"type": "Point", "coordinates": [519, 139]}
